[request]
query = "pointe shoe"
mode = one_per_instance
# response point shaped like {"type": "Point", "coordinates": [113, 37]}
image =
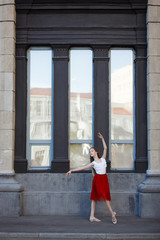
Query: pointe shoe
{"type": "Point", "coordinates": [114, 219]}
{"type": "Point", "coordinates": [93, 219]}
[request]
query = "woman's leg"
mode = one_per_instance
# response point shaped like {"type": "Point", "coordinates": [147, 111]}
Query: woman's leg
{"type": "Point", "coordinates": [93, 207]}
{"type": "Point", "coordinates": [111, 211]}
{"type": "Point", "coordinates": [92, 217]}
{"type": "Point", "coordinates": [110, 208]}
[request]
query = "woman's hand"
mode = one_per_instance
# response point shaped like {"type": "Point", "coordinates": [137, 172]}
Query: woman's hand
{"type": "Point", "coordinates": [104, 145]}
{"type": "Point", "coordinates": [100, 135]}
{"type": "Point", "coordinates": [68, 173]}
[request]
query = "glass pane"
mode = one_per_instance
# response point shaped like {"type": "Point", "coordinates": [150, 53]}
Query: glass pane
{"type": "Point", "coordinates": [122, 156]}
{"type": "Point", "coordinates": [40, 156]}
{"type": "Point", "coordinates": [40, 94]}
{"type": "Point", "coordinates": [79, 155]}
{"type": "Point", "coordinates": [121, 94]}
{"type": "Point", "coordinates": [80, 94]}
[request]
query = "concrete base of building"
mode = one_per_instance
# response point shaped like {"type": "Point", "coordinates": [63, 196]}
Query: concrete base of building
{"type": "Point", "coordinates": [56, 194]}
{"type": "Point", "coordinates": [10, 196]}
{"type": "Point", "coordinates": [149, 197]}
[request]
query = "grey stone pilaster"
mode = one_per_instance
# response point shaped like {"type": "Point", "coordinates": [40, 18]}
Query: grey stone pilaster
{"type": "Point", "coordinates": [10, 189]}
{"type": "Point", "coordinates": [149, 190]}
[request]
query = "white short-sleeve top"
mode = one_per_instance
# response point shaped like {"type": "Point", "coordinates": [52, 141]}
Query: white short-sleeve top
{"type": "Point", "coordinates": [100, 167]}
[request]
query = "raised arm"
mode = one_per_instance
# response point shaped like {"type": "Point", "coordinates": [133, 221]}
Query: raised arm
{"type": "Point", "coordinates": [79, 169]}
{"type": "Point", "coordinates": [104, 145]}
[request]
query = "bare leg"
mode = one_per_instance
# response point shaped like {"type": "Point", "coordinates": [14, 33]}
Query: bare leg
{"type": "Point", "coordinates": [111, 211]}
{"type": "Point", "coordinates": [92, 217]}
{"type": "Point", "coordinates": [93, 207]}
{"type": "Point", "coordinates": [110, 208]}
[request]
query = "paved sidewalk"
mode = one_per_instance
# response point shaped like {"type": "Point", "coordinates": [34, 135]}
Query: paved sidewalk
{"type": "Point", "coordinates": [67, 227]}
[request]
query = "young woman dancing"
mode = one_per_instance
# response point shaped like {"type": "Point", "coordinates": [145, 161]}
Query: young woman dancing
{"type": "Point", "coordinates": [100, 185]}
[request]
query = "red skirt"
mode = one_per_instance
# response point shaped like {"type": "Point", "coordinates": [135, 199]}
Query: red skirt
{"type": "Point", "coordinates": [100, 188]}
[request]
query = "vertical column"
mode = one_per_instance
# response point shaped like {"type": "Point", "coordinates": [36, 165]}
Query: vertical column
{"type": "Point", "coordinates": [101, 96]}
{"type": "Point", "coordinates": [20, 164]}
{"type": "Point", "coordinates": [7, 85]}
{"type": "Point", "coordinates": [9, 187]}
{"type": "Point", "coordinates": [149, 190]}
{"type": "Point", "coordinates": [153, 78]}
{"type": "Point", "coordinates": [141, 162]}
{"type": "Point", "coordinates": [60, 161]}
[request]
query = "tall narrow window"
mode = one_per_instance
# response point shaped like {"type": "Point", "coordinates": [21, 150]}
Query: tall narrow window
{"type": "Point", "coordinates": [80, 106]}
{"type": "Point", "coordinates": [39, 100]}
{"type": "Point", "coordinates": [121, 109]}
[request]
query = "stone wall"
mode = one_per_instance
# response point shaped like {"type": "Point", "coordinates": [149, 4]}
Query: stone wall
{"type": "Point", "coordinates": [51, 194]}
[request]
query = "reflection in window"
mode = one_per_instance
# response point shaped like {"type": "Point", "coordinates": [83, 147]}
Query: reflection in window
{"type": "Point", "coordinates": [79, 154]}
{"type": "Point", "coordinates": [121, 109]}
{"type": "Point", "coordinates": [80, 106]}
{"type": "Point", "coordinates": [40, 156]}
{"type": "Point", "coordinates": [39, 106]}
{"type": "Point", "coordinates": [122, 156]}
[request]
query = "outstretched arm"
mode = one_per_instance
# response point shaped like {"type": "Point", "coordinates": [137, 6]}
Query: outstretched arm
{"type": "Point", "coordinates": [79, 169]}
{"type": "Point", "coordinates": [104, 145]}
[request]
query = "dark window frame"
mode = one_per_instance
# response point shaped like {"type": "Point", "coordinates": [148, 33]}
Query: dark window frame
{"type": "Point", "coordinates": [30, 33]}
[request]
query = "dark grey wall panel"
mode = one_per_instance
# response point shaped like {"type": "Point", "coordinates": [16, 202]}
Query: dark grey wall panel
{"type": "Point", "coordinates": [81, 28]}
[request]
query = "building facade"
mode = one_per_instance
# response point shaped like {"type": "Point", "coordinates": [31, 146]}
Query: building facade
{"type": "Point", "coordinates": [69, 69]}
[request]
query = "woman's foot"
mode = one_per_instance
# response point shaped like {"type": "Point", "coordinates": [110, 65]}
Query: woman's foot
{"type": "Point", "coordinates": [93, 219]}
{"type": "Point", "coordinates": [114, 219]}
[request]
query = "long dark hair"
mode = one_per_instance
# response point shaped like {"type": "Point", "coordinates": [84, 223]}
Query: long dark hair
{"type": "Point", "coordinates": [92, 159]}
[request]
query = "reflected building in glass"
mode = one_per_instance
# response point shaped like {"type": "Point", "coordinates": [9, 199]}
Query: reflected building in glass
{"type": "Point", "coordinates": [40, 125]}
{"type": "Point", "coordinates": [81, 115]}
{"type": "Point", "coordinates": [80, 127]}
{"type": "Point", "coordinates": [81, 123]}
{"type": "Point", "coordinates": [122, 103]}
{"type": "Point", "coordinates": [39, 116]}
{"type": "Point", "coordinates": [122, 110]}
{"type": "Point", "coordinates": [40, 113]}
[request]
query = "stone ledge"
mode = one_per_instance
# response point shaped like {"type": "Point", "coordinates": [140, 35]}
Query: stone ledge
{"type": "Point", "coordinates": [9, 184]}
{"type": "Point", "coordinates": [153, 173]}
{"type": "Point", "coordinates": [77, 181]}
{"type": "Point", "coordinates": [149, 188]}
{"type": "Point", "coordinates": [77, 236]}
